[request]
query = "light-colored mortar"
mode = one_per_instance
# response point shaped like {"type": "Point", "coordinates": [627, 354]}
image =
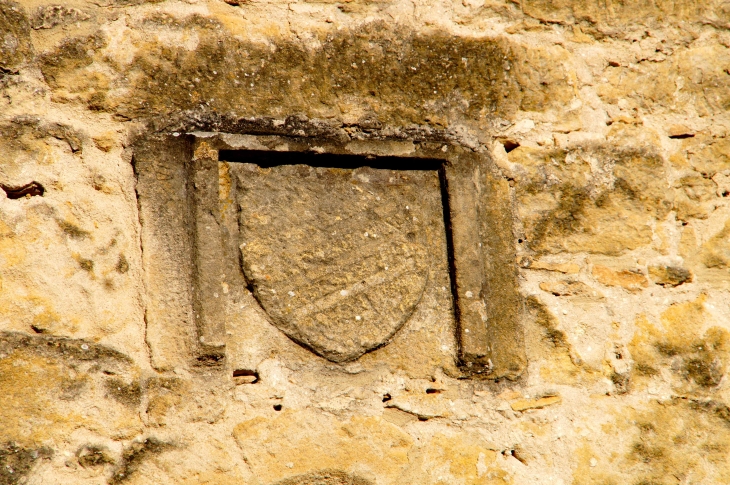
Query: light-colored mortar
{"type": "Point", "coordinates": [608, 120]}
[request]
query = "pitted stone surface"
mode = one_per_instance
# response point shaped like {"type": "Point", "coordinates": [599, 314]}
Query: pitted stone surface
{"type": "Point", "coordinates": [335, 256]}
{"type": "Point", "coordinates": [575, 102]}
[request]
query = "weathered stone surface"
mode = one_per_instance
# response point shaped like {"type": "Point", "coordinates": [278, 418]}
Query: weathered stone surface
{"type": "Point", "coordinates": [715, 253]}
{"type": "Point", "coordinates": [459, 458]}
{"type": "Point", "coordinates": [631, 280]}
{"type": "Point", "coordinates": [336, 256]}
{"type": "Point", "coordinates": [695, 197]}
{"type": "Point", "coordinates": [292, 444]}
{"type": "Point", "coordinates": [655, 444]}
{"type": "Point", "coordinates": [567, 268]}
{"type": "Point", "coordinates": [16, 463]}
{"type": "Point", "coordinates": [327, 477]}
{"type": "Point", "coordinates": [669, 275]}
{"type": "Point", "coordinates": [608, 123]}
{"type": "Point", "coordinates": [570, 288]}
{"type": "Point", "coordinates": [52, 15]}
{"type": "Point", "coordinates": [617, 12]}
{"type": "Point", "coordinates": [683, 341]}
{"type": "Point", "coordinates": [537, 403]}
{"type": "Point", "coordinates": [73, 70]}
{"type": "Point", "coordinates": [15, 46]}
{"type": "Point", "coordinates": [65, 372]}
{"type": "Point", "coordinates": [593, 199]}
{"type": "Point", "coordinates": [161, 189]}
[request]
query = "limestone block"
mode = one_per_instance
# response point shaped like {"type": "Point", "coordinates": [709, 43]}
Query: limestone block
{"type": "Point", "coordinates": [567, 206]}
{"type": "Point", "coordinates": [715, 253]}
{"type": "Point", "coordinates": [630, 280]}
{"type": "Point", "coordinates": [669, 275]}
{"type": "Point", "coordinates": [539, 403]}
{"type": "Point", "coordinates": [298, 443]}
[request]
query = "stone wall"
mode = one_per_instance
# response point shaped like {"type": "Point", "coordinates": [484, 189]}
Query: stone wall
{"type": "Point", "coordinates": [607, 123]}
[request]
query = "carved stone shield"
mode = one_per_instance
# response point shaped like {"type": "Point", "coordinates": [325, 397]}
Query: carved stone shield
{"type": "Point", "coordinates": [336, 257]}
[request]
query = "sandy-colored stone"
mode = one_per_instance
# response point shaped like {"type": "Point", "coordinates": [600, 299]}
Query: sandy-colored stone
{"type": "Point", "coordinates": [105, 142]}
{"type": "Point", "coordinates": [296, 443]}
{"type": "Point", "coordinates": [630, 280]}
{"type": "Point", "coordinates": [462, 458]}
{"type": "Point", "coordinates": [654, 444]}
{"type": "Point", "coordinates": [537, 403]}
{"type": "Point", "coordinates": [551, 351]}
{"type": "Point", "coordinates": [567, 268]}
{"type": "Point", "coordinates": [570, 288]}
{"type": "Point", "coordinates": [683, 340]}
{"type": "Point", "coordinates": [715, 253]}
{"type": "Point", "coordinates": [680, 131]}
{"type": "Point", "coordinates": [605, 131]}
{"type": "Point", "coordinates": [696, 197]}
{"type": "Point", "coordinates": [567, 206]}
{"type": "Point", "coordinates": [669, 275]}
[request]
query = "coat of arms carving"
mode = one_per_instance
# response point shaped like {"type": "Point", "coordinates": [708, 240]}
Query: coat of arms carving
{"type": "Point", "coordinates": [334, 255]}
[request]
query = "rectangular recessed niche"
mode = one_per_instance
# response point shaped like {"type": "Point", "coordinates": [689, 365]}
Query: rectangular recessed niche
{"type": "Point", "coordinates": [330, 241]}
{"type": "Point", "coordinates": [335, 248]}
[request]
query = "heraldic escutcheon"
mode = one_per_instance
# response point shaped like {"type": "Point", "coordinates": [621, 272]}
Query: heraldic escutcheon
{"type": "Point", "coordinates": [335, 256]}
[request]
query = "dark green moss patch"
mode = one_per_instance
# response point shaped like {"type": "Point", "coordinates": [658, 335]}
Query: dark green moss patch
{"type": "Point", "coordinates": [586, 210]}
{"type": "Point", "coordinates": [135, 455]}
{"type": "Point", "coordinates": [16, 462]}
{"type": "Point", "coordinates": [69, 349]}
{"type": "Point", "coordinates": [71, 55]}
{"type": "Point", "coordinates": [646, 370]}
{"type": "Point", "coordinates": [127, 394]}
{"type": "Point", "coordinates": [567, 218]}
{"type": "Point", "coordinates": [621, 382]}
{"type": "Point", "coordinates": [90, 456]}
{"type": "Point", "coordinates": [122, 264]}
{"type": "Point", "coordinates": [716, 408]}
{"type": "Point", "coordinates": [536, 309]}
{"type": "Point", "coordinates": [704, 370]}
{"type": "Point", "coordinates": [86, 264]}
{"type": "Point", "coordinates": [70, 389]}
{"type": "Point", "coordinates": [72, 230]}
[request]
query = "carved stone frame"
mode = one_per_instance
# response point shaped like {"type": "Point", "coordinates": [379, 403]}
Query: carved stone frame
{"type": "Point", "coordinates": [184, 243]}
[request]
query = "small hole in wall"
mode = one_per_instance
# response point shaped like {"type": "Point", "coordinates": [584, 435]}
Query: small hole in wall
{"type": "Point", "coordinates": [423, 418]}
{"type": "Point", "coordinates": [32, 189]}
{"type": "Point", "coordinates": [510, 145]}
{"type": "Point", "coordinates": [387, 397]}
{"type": "Point", "coordinates": [277, 407]}
{"type": "Point", "coordinates": [725, 193]}
{"type": "Point", "coordinates": [432, 391]}
{"type": "Point", "coordinates": [245, 376]}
